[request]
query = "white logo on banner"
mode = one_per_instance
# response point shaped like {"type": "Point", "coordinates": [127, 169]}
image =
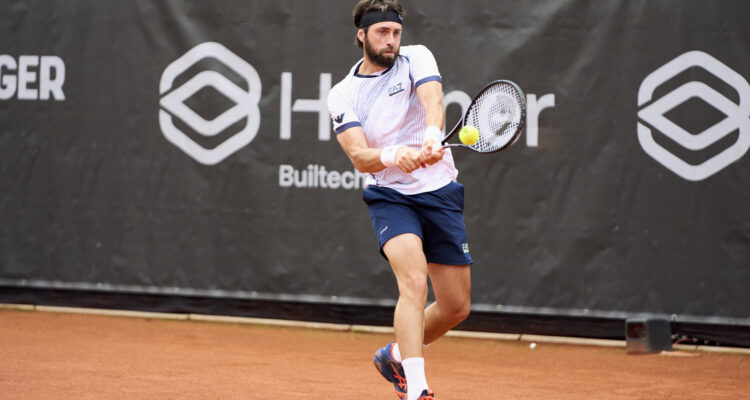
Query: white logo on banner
{"type": "Point", "coordinates": [35, 78]}
{"type": "Point", "coordinates": [174, 102]}
{"type": "Point", "coordinates": [737, 116]}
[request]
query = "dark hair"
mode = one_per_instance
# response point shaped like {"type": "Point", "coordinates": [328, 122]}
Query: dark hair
{"type": "Point", "coordinates": [364, 6]}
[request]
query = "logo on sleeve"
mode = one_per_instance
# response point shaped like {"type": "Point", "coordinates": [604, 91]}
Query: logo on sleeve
{"type": "Point", "coordinates": [395, 89]}
{"type": "Point", "coordinates": [340, 118]}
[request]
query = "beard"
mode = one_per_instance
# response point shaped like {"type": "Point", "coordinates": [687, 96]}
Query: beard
{"type": "Point", "coordinates": [380, 59]}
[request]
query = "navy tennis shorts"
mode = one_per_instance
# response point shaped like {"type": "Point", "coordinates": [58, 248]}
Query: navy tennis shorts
{"type": "Point", "coordinates": [436, 217]}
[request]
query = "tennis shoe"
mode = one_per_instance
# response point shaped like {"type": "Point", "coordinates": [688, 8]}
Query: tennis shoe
{"type": "Point", "coordinates": [391, 370]}
{"type": "Point", "coordinates": [427, 395]}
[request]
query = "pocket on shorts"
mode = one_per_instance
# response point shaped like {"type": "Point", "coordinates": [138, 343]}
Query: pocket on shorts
{"type": "Point", "coordinates": [457, 194]}
{"type": "Point", "coordinates": [369, 195]}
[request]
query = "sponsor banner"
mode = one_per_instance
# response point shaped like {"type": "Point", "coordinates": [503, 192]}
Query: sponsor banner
{"type": "Point", "coordinates": [187, 148]}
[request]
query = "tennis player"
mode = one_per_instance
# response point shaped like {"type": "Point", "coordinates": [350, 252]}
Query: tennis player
{"type": "Point", "coordinates": [388, 116]}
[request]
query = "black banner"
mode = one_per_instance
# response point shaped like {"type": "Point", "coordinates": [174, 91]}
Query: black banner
{"type": "Point", "coordinates": [184, 147]}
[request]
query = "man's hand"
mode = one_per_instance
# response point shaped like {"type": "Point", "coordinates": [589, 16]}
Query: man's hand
{"type": "Point", "coordinates": [403, 157]}
{"type": "Point", "coordinates": [407, 159]}
{"type": "Point", "coordinates": [431, 153]}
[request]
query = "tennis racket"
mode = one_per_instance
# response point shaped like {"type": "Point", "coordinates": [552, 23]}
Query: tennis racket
{"type": "Point", "coordinates": [498, 111]}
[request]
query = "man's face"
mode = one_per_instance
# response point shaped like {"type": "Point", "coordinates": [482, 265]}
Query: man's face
{"type": "Point", "coordinates": [382, 43]}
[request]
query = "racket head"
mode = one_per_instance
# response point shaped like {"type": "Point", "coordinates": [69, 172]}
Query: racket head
{"type": "Point", "coordinates": [498, 111]}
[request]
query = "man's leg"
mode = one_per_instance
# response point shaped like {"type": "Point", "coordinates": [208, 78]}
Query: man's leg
{"type": "Point", "coordinates": [405, 255]}
{"type": "Point", "coordinates": [452, 287]}
{"type": "Point", "coordinates": [409, 264]}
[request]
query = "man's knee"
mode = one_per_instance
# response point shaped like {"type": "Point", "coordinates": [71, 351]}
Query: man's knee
{"type": "Point", "coordinates": [456, 310]}
{"type": "Point", "coordinates": [463, 312]}
{"type": "Point", "coordinates": [414, 286]}
{"type": "Point", "coordinates": [409, 265]}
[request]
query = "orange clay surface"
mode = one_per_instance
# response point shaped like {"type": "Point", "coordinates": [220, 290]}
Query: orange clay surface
{"type": "Point", "coordinates": [70, 356]}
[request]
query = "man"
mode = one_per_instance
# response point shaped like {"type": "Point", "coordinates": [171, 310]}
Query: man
{"type": "Point", "coordinates": [388, 116]}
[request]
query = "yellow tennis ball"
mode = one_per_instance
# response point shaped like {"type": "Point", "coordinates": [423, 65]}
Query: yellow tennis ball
{"type": "Point", "coordinates": [468, 135]}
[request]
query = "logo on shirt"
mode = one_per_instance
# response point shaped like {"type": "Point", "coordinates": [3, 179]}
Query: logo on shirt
{"type": "Point", "coordinates": [340, 118]}
{"type": "Point", "coordinates": [465, 247]}
{"type": "Point", "coordinates": [395, 89]}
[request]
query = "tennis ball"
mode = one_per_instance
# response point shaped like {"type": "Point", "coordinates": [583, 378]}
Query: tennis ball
{"type": "Point", "coordinates": [468, 135]}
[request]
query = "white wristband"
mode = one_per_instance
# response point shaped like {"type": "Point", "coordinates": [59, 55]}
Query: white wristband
{"type": "Point", "coordinates": [388, 155]}
{"type": "Point", "coordinates": [434, 133]}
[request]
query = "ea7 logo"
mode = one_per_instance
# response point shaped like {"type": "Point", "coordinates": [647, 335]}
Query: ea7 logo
{"type": "Point", "coordinates": [340, 118]}
{"type": "Point", "coordinates": [737, 116]}
{"type": "Point", "coordinates": [246, 103]}
{"type": "Point", "coordinates": [395, 89]}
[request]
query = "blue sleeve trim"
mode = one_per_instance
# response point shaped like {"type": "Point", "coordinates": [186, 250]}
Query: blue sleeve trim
{"type": "Point", "coordinates": [347, 126]}
{"type": "Point", "coordinates": [428, 79]}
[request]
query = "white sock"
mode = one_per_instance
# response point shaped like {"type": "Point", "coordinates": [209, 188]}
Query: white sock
{"type": "Point", "coordinates": [415, 379]}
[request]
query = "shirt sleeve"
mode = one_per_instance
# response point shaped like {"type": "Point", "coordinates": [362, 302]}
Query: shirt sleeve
{"type": "Point", "coordinates": [422, 65]}
{"type": "Point", "coordinates": [342, 114]}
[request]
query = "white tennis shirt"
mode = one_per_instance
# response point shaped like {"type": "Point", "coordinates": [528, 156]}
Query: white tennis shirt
{"type": "Point", "coordinates": [388, 109]}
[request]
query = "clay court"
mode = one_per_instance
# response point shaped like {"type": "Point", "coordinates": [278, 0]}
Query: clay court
{"type": "Point", "coordinates": [49, 355]}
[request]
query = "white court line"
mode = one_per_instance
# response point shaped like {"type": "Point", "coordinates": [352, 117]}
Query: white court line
{"type": "Point", "coordinates": [270, 322]}
{"type": "Point", "coordinates": [17, 307]}
{"type": "Point", "coordinates": [352, 328]}
{"type": "Point", "coordinates": [113, 313]}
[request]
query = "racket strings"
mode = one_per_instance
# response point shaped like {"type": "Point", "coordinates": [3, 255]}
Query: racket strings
{"type": "Point", "coordinates": [497, 115]}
